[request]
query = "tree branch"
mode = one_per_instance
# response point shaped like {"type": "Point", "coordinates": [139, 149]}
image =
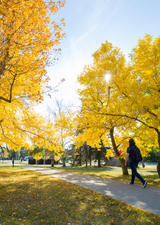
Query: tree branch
{"type": "Point", "coordinates": [6, 136]}
{"type": "Point", "coordinates": [11, 89]}
{"type": "Point", "coordinates": [147, 110]}
{"type": "Point", "coordinates": [129, 117]}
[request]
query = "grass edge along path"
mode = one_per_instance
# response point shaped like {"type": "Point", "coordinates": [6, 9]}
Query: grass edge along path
{"type": "Point", "coordinates": [31, 198]}
{"type": "Point", "coordinates": [110, 172]}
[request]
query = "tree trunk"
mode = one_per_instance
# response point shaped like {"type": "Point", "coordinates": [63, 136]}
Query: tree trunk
{"type": "Point", "coordinates": [99, 158]}
{"type": "Point", "coordinates": [80, 158]}
{"type": "Point", "coordinates": [90, 156]}
{"type": "Point", "coordinates": [64, 162]}
{"type": "Point", "coordinates": [158, 164]}
{"type": "Point", "coordinates": [122, 161]}
{"type": "Point", "coordinates": [85, 149]}
{"type": "Point", "coordinates": [90, 160]}
{"type": "Point", "coordinates": [124, 168]}
{"type": "Point", "coordinates": [52, 161]}
{"type": "Point", "coordinates": [12, 161]}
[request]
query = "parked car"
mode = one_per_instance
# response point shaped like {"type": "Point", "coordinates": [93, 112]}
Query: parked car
{"type": "Point", "coordinates": [26, 158]}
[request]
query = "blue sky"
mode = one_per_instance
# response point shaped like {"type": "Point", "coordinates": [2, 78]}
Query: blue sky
{"type": "Point", "coordinates": [88, 24]}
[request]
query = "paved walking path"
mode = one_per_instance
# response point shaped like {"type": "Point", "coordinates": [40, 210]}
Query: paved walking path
{"type": "Point", "coordinates": [135, 195]}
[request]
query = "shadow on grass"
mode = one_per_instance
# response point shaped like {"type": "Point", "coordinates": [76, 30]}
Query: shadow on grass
{"type": "Point", "coordinates": [84, 169]}
{"type": "Point", "coordinates": [152, 171]}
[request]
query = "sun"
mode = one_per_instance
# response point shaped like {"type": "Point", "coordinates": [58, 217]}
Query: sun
{"type": "Point", "coordinates": [107, 77]}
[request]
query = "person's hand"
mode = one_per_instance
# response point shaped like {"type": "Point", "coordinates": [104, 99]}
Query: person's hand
{"type": "Point", "coordinates": [125, 163]}
{"type": "Point", "coordinates": [143, 165]}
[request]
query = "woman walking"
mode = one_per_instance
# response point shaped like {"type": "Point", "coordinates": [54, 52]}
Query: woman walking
{"type": "Point", "coordinates": [134, 157]}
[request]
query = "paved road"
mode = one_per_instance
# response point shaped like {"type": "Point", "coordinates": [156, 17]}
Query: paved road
{"type": "Point", "coordinates": [135, 195]}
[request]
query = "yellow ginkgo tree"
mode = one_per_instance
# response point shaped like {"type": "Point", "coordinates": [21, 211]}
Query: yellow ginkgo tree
{"type": "Point", "coordinates": [96, 96]}
{"type": "Point", "coordinates": [65, 130]}
{"type": "Point", "coordinates": [143, 96]}
{"type": "Point", "coordinates": [128, 104]}
{"type": "Point", "coordinates": [29, 35]}
{"type": "Point", "coordinates": [139, 92]}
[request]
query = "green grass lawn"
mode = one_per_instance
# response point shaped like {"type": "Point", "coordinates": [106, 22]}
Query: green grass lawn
{"type": "Point", "coordinates": [110, 172]}
{"type": "Point", "coordinates": [31, 198]}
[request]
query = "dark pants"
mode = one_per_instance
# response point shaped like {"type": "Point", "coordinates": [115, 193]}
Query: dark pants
{"type": "Point", "coordinates": [133, 166]}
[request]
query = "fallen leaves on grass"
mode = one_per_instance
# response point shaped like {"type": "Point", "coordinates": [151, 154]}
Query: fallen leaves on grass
{"type": "Point", "coordinates": [36, 199]}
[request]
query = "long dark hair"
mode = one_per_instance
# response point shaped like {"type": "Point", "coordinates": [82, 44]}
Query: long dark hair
{"type": "Point", "coordinates": [131, 142]}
